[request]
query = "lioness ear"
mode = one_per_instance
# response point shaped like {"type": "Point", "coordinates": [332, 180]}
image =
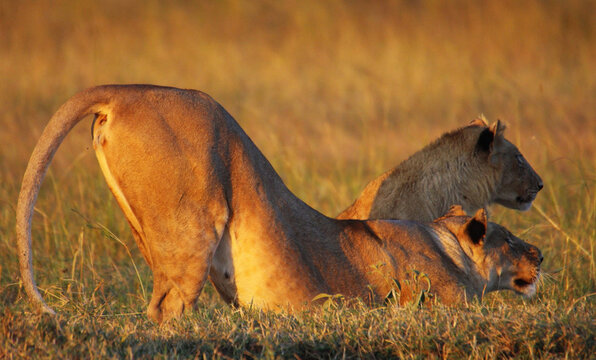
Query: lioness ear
{"type": "Point", "coordinates": [491, 140]}
{"type": "Point", "coordinates": [479, 121]}
{"type": "Point", "coordinates": [498, 130]}
{"type": "Point", "coordinates": [455, 210]}
{"type": "Point", "coordinates": [485, 141]}
{"type": "Point", "coordinates": [475, 228]}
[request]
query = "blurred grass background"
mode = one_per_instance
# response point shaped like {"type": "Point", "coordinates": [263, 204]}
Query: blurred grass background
{"type": "Point", "coordinates": [333, 92]}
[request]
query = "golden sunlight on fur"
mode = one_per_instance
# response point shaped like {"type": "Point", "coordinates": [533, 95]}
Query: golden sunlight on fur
{"type": "Point", "coordinates": [203, 201]}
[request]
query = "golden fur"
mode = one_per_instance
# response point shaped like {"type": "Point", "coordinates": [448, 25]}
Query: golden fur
{"type": "Point", "coordinates": [203, 201]}
{"type": "Point", "coordinates": [473, 166]}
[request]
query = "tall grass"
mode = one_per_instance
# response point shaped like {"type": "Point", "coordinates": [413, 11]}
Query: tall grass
{"type": "Point", "coordinates": [333, 93]}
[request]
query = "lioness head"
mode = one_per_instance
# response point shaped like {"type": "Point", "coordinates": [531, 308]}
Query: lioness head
{"type": "Point", "coordinates": [505, 261]}
{"type": "Point", "coordinates": [515, 262]}
{"type": "Point", "coordinates": [519, 183]}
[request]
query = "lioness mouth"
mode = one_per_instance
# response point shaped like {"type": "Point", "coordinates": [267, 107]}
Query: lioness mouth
{"type": "Point", "coordinates": [526, 199]}
{"type": "Point", "coordinates": [521, 283]}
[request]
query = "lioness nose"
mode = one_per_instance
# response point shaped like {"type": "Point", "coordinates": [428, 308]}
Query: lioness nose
{"type": "Point", "coordinates": [540, 258]}
{"type": "Point", "coordinates": [540, 186]}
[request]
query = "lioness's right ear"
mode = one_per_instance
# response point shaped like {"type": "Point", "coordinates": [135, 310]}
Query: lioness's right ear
{"type": "Point", "coordinates": [475, 228]}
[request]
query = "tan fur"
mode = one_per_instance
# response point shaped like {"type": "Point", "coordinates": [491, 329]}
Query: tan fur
{"type": "Point", "coordinates": [473, 166]}
{"type": "Point", "coordinates": [203, 201]}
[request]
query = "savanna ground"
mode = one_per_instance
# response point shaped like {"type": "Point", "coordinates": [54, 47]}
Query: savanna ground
{"type": "Point", "coordinates": [333, 93]}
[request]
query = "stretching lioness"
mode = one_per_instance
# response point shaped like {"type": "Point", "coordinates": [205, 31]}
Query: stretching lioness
{"type": "Point", "coordinates": [202, 200]}
{"type": "Point", "coordinates": [473, 166]}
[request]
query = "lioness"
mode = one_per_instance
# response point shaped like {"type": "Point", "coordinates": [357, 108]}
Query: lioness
{"type": "Point", "coordinates": [202, 200]}
{"type": "Point", "coordinates": [473, 166]}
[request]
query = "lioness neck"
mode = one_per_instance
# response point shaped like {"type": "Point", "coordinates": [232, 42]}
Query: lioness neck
{"type": "Point", "coordinates": [477, 278]}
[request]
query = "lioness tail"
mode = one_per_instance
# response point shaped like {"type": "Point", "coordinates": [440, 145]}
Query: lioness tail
{"type": "Point", "coordinates": [93, 100]}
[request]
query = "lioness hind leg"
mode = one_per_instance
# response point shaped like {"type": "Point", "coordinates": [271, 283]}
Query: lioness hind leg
{"type": "Point", "coordinates": [166, 301]}
{"type": "Point", "coordinates": [171, 298]}
{"type": "Point", "coordinates": [177, 285]}
{"type": "Point", "coordinates": [174, 294]}
{"type": "Point", "coordinates": [181, 266]}
{"type": "Point", "coordinates": [169, 185]}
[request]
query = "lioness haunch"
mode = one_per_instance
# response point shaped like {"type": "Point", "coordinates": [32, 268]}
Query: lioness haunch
{"type": "Point", "coordinates": [202, 200]}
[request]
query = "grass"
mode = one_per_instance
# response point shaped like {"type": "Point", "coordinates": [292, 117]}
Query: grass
{"type": "Point", "coordinates": [334, 94]}
{"type": "Point", "coordinates": [351, 330]}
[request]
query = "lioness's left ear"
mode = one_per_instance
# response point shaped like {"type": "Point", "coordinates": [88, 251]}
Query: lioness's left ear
{"type": "Point", "coordinates": [475, 228]}
{"type": "Point", "coordinates": [455, 210]}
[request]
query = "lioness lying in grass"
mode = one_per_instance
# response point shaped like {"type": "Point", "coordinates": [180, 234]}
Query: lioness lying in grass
{"type": "Point", "coordinates": [202, 200]}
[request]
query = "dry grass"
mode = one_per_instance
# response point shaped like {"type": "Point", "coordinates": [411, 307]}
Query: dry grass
{"type": "Point", "coordinates": [333, 93]}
